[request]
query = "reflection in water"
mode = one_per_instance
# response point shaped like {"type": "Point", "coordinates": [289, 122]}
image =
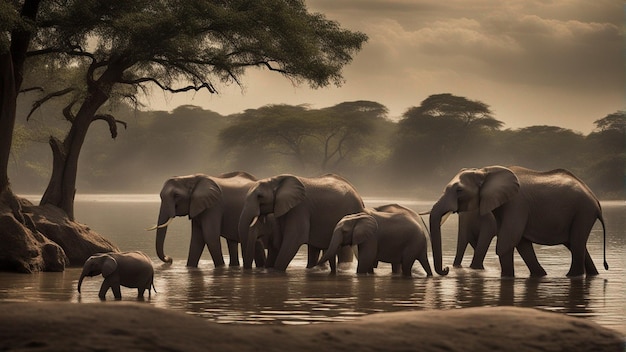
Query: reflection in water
{"type": "Point", "coordinates": [301, 296]}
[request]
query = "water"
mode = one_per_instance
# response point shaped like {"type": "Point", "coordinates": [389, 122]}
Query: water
{"type": "Point", "coordinates": [300, 296]}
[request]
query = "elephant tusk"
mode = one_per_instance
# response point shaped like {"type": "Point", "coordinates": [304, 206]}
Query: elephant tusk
{"type": "Point", "coordinates": [445, 217]}
{"type": "Point", "coordinates": [160, 226]}
{"type": "Point", "coordinates": [256, 218]}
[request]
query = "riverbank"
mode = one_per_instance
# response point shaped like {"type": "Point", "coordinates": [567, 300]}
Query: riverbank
{"type": "Point", "coordinates": [119, 326]}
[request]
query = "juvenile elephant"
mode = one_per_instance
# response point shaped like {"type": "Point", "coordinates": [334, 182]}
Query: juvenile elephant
{"type": "Point", "coordinates": [548, 208]}
{"type": "Point", "coordinates": [477, 231]}
{"type": "Point", "coordinates": [213, 204]}
{"type": "Point", "coordinates": [128, 269]}
{"type": "Point", "coordinates": [390, 233]}
{"type": "Point", "coordinates": [306, 211]}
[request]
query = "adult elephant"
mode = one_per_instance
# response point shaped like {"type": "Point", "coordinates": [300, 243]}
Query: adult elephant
{"type": "Point", "coordinates": [476, 230]}
{"type": "Point", "coordinates": [306, 211]}
{"type": "Point", "coordinates": [213, 204]}
{"type": "Point", "coordinates": [548, 208]}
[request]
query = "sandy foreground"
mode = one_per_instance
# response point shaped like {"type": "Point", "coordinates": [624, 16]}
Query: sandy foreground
{"type": "Point", "coordinates": [119, 326]}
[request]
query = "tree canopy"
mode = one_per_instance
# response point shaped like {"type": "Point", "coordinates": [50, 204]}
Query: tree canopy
{"type": "Point", "coordinates": [126, 48]}
{"type": "Point", "coordinates": [317, 140]}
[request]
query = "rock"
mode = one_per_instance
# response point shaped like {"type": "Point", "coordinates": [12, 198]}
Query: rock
{"type": "Point", "coordinates": [42, 238]}
{"type": "Point", "coordinates": [77, 240]}
{"type": "Point", "coordinates": [26, 251]}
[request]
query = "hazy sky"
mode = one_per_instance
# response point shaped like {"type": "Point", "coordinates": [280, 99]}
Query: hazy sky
{"type": "Point", "coordinates": [557, 62]}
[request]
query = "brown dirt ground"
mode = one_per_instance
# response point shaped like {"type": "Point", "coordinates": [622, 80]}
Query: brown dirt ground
{"type": "Point", "coordinates": [119, 326]}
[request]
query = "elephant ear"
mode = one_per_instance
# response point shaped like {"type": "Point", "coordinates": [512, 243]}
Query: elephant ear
{"type": "Point", "coordinates": [109, 265]}
{"type": "Point", "coordinates": [205, 194]}
{"type": "Point", "coordinates": [364, 229]}
{"type": "Point", "coordinates": [289, 193]}
{"type": "Point", "coordinates": [499, 186]}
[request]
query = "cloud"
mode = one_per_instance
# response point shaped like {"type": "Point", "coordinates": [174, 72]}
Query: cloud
{"type": "Point", "coordinates": [503, 44]}
{"type": "Point", "coordinates": [554, 62]}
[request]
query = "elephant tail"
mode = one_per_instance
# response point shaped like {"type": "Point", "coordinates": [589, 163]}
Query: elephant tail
{"type": "Point", "coordinates": [606, 264]}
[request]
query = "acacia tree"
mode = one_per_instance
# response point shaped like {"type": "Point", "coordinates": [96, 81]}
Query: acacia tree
{"type": "Point", "coordinates": [128, 47]}
{"type": "Point", "coordinates": [318, 139]}
{"type": "Point", "coordinates": [441, 133]}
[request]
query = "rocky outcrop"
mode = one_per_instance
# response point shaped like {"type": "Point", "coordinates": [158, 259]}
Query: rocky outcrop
{"type": "Point", "coordinates": [42, 238]}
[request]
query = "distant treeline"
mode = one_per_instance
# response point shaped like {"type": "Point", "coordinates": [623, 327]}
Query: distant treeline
{"type": "Point", "coordinates": [413, 157]}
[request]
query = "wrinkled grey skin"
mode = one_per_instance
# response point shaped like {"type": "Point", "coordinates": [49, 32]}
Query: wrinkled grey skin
{"type": "Point", "coordinates": [128, 269]}
{"type": "Point", "coordinates": [213, 204]}
{"type": "Point", "coordinates": [390, 233]}
{"type": "Point", "coordinates": [477, 231]}
{"type": "Point", "coordinates": [548, 208]}
{"type": "Point", "coordinates": [306, 211]}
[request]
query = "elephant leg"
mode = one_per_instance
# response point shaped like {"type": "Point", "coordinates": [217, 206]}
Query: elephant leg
{"type": "Point", "coordinates": [577, 268]}
{"type": "Point", "coordinates": [367, 258]}
{"type": "Point", "coordinates": [345, 255]}
{"type": "Point", "coordinates": [407, 266]}
{"type": "Point", "coordinates": [396, 268]}
{"type": "Point", "coordinates": [480, 252]}
{"type": "Point", "coordinates": [295, 233]}
{"type": "Point", "coordinates": [117, 293]}
{"type": "Point", "coordinates": [364, 267]}
{"type": "Point", "coordinates": [488, 229]}
{"type": "Point", "coordinates": [590, 267]}
{"type": "Point", "coordinates": [461, 246]}
{"type": "Point", "coordinates": [526, 251]}
{"type": "Point", "coordinates": [196, 244]}
{"type": "Point", "coordinates": [506, 264]}
{"type": "Point", "coordinates": [114, 284]}
{"type": "Point", "coordinates": [233, 252]}
{"type": "Point", "coordinates": [313, 256]}
{"type": "Point", "coordinates": [578, 245]}
{"type": "Point", "coordinates": [259, 254]}
{"type": "Point", "coordinates": [103, 290]}
{"type": "Point", "coordinates": [211, 230]}
{"type": "Point", "coordinates": [332, 262]}
{"type": "Point", "coordinates": [272, 252]}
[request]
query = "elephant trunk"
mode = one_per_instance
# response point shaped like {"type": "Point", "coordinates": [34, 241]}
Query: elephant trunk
{"type": "Point", "coordinates": [247, 237]}
{"type": "Point", "coordinates": [161, 232]}
{"type": "Point", "coordinates": [82, 276]}
{"type": "Point", "coordinates": [80, 281]}
{"type": "Point", "coordinates": [436, 214]}
{"type": "Point", "coordinates": [333, 247]}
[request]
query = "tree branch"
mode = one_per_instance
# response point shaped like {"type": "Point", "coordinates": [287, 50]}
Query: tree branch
{"type": "Point", "coordinates": [206, 85]}
{"type": "Point", "coordinates": [37, 104]}
{"type": "Point", "coordinates": [26, 90]}
{"type": "Point", "coordinates": [112, 121]}
{"type": "Point", "coordinates": [67, 111]}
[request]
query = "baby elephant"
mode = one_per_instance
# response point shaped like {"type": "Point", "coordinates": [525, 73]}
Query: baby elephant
{"type": "Point", "coordinates": [129, 269]}
{"type": "Point", "coordinates": [390, 233]}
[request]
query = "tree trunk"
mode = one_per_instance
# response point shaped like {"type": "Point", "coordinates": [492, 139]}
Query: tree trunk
{"type": "Point", "coordinates": [8, 100]}
{"type": "Point", "coordinates": [62, 186]}
{"type": "Point", "coordinates": [11, 76]}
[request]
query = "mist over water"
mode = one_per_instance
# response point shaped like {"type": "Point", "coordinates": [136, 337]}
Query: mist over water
{"type": "Point", "coordinates": [301, 296]}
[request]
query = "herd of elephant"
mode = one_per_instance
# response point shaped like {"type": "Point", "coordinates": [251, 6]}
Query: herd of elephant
{"type": "Point", "coordinates": [271, 218]}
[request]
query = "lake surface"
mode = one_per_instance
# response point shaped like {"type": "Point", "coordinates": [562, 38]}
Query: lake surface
{"type": "Point", "coordinates": [301, 296]}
